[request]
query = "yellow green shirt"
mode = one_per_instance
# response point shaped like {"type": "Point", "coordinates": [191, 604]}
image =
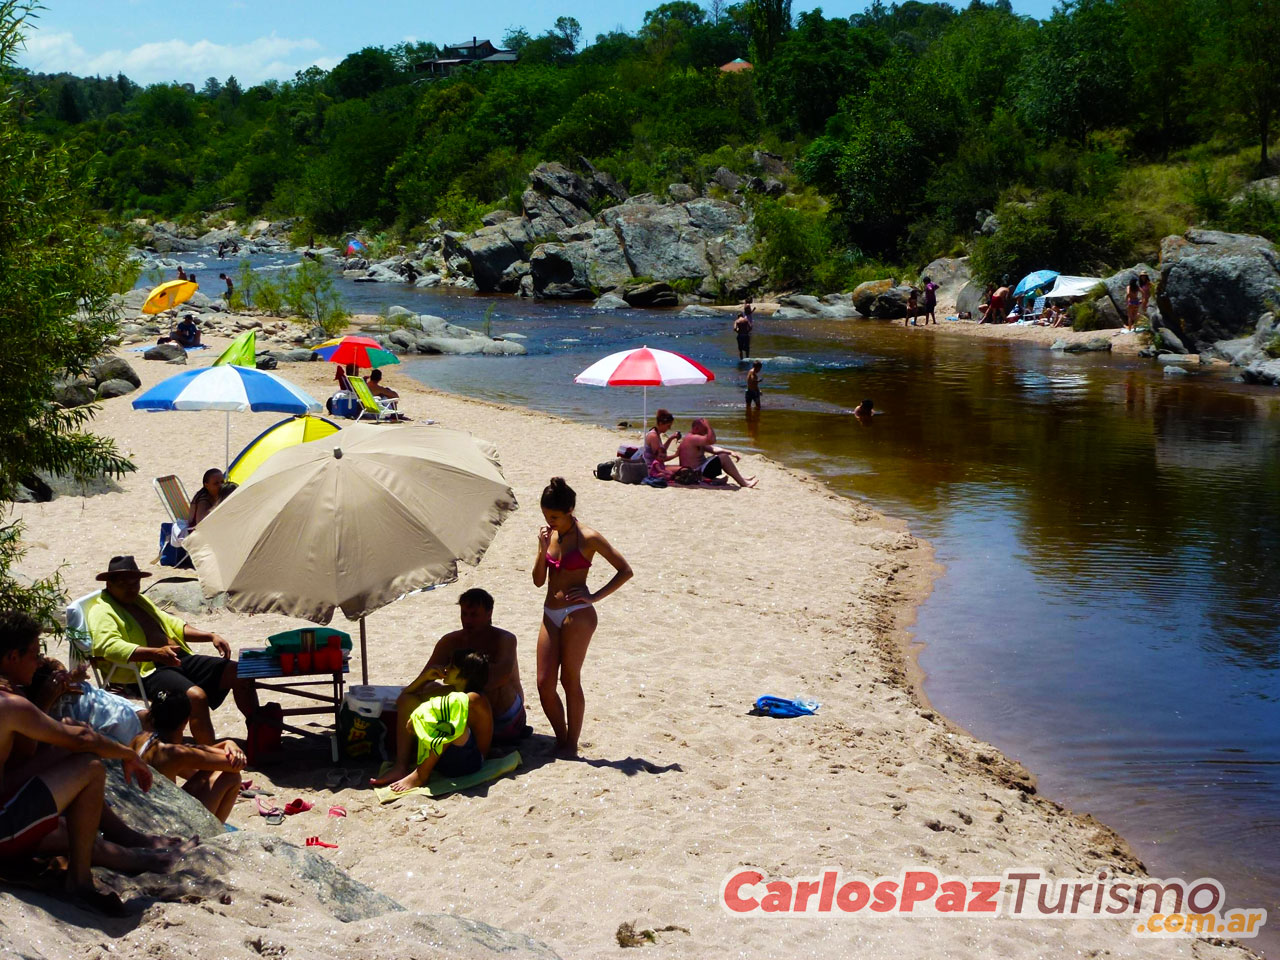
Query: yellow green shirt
{"type": "Point", "coordinates": [116, 634]}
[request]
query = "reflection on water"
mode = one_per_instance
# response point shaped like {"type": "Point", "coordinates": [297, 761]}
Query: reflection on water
{"type": "Point", "coordinates": [1111, 540]}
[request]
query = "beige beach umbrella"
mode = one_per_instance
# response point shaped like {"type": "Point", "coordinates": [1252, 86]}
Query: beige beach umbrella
{"type": "Point", "coordinates": [354, 521]}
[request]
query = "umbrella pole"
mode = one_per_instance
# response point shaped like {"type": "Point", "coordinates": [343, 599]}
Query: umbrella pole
{"type": "Point", "coordinates": [364, 656]}
{"type": "Point", "coordinates": [226, 444]}
{"type": "Point", "coordinates": [644, 424]}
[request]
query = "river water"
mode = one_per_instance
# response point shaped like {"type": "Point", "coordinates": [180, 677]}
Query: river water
{"type": "Point", "coordinates": [1111, 539]}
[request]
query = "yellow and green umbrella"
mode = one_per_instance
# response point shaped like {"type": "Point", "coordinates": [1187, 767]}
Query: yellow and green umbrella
{"type": "Point", "coordinates": [169, 295]}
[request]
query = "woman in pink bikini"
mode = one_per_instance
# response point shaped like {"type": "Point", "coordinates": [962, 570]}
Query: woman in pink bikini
{"type": "Point", "coordinates": [565, 551]}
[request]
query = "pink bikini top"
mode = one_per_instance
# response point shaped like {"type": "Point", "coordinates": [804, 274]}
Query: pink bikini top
{"type": "Point", "coordinates": [575, 559]}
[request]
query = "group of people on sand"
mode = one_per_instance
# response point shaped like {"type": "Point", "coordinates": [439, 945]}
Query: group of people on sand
{"type": "Point", "coordinates": [696, 459]}
{"type": "Point", "coordinates": [55, 728]}
{"type": "Point", "coordinates": [468, 697]}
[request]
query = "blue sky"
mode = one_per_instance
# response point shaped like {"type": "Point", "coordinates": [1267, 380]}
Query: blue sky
{"type": "Point", "coordinates": [154, 41]}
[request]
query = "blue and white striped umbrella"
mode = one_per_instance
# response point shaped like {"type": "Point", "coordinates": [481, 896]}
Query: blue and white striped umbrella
{"type": "Point", "coordinates": [230, 388]}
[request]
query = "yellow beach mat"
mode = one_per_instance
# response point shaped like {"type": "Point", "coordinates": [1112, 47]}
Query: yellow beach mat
{"type": "Point", "coordinates": [492, 769]}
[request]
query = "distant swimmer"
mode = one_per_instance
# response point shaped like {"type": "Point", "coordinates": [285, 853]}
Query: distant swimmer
{"type": "Point", "coordinates": [753, 385]}
{"type": "Point", "coordinates": [865, 411]}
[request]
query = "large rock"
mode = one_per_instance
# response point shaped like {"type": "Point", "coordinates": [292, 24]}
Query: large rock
{"type": "Point", "coordinates": [1215, 286]}
{"type": "Point", "coordinates": [549, 215]}
{"type": "Point", "coordinates": [1092, 345]}
{"type": "Point", "coordinates": [491, 250]}
{"type": "Point", "coordinates": [556, 180]}
{"type": "Point", "coordinates": [612, 302]}
{"type": "Point", "coordinates": [655, 294]}
{"type": "Point", "coordinates": [664, 245]}
{"type": "Point", "coordinates": [769, 163]}
{"type": "Point", "coordinates": [607, 265]}
{"type": "Point", "coordinates": [74, 393]}
{"type": "Point", "coordinates": [681, 192]}
{"type": "Point", "coordinates": [108, 389]}
{"type": "Point", "coordinates": [169, 352]}
{"type": "Point", "coordinates": [890, 305]}
{"type": "Point", "coordinates": [114, 368]}
{"type": "Point", "coordinates": [864, 294]}
{"type": "Point", "coordinates": [559, 270]}
{"type": "Point", "coordinates": [969, 298]}
{"type": "Point", "coordinates": [727, 178]}
{"type": "Point", "coordinates": [1264, 371]}
{"type": "Point", "coordinates": [950, 274]}
{"type": "Point", "coordinates": [183, 595]}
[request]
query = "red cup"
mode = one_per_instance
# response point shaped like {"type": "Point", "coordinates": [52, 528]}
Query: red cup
{"type": "Point", "coordinates": [286, 663]}
{"type": "Point", "coordinates": [304, 662]}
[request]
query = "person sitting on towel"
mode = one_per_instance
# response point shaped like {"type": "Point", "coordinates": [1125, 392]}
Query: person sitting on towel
{"type": "Point", "coordinates": [449, 734]}
{"type": "Point", "coordinates": [187, 333]}
{"type": "Point", "coordinates": [212, 774]}
{"type": "Point", "coordinates": [503, 689]}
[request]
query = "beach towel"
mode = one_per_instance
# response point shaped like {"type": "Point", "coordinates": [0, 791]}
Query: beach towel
{"type": "Point", "coordinates": [144, 349]}
{"type": "Point", "coordinates": [438, 786]}
{"type": "Point", "coordinates": [779, 707]}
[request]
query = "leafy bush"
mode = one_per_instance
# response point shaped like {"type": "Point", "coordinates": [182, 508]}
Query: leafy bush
{"type": "Point", "coordinates": [1085, 315]}
{"type": "Point", "coordinates": [1257, 211]}
{"type": "Point", "coordinates": [312, 293]}
{"type": "Point", "coordinates": [1071, 234]}
{"type": "Point", "coordinates": [268, 295]}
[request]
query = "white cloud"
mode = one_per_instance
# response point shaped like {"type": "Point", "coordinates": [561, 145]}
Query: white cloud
{"type": "Point", "coordinates": [180, 60]}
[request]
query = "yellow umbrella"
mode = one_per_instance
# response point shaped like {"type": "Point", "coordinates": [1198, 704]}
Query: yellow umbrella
{"type": "Point", "coordinates": [286, 433]}
{"type": "Point", "coordinates": [169, 295]}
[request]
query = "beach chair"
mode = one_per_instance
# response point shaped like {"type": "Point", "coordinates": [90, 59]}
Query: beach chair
{"type": "Point", "coordinates": [80, 645]}
{"type": "Point", "coordinates": [174, 497]}
{"type": "Point", "coordinates": [380, 408]}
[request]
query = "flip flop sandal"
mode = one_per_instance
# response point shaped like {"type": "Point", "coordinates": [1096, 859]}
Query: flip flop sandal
{"type": "Point", "coordinates": [273, 813]}
{"type": "Point", "coordinates": [297, 806]}
{"type": "Point", "coordinates": [250, 794]}
{"type": "Point", "coordinates": [245, 784]}
{"type": "Point", "coordinates": [337, 811]}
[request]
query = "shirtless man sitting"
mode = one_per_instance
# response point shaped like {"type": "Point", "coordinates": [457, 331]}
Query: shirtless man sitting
{"type": "Point", "coordinates": [55, 807]}
{"type": "Point", "coordinates": [449, 733]}
{"type": "Point", "coordinates": [506, 696]}
{"type": "Point", "coordinates": [212, 773]}
{"type": "Point", "coordinates": [698, 452]}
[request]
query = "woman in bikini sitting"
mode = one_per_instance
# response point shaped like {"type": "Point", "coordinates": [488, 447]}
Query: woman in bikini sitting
{"type": "Point", "coordinates": [565, 551]}
{"type": "Point", "coordinates": [657, 452]}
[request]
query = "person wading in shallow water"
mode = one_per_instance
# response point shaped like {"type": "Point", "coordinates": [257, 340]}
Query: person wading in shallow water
{"type": "Point", "coordinates": [743, 327]}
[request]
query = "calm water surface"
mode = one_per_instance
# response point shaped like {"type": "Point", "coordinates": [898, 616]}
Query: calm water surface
{"type": "Point", "coordinates": [1108, 614]}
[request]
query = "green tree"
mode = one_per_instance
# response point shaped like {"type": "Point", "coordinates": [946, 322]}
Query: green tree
{"type": "Point", "coordinates": [55, 288]}
{"type": "Point", "coordinates": [312, 294]}
{"type": "Point", "coordinates": [770, 20]}
{"type": "Point", "coordinates": [1246, 62]}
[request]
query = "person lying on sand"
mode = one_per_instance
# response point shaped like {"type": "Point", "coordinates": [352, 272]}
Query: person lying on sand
{"type": "Point", "coordinates": [212, 774]}
{"type": "Point", "coordinates": [503, 689]}
{"type": "Point", "coordinates": [698, 452]}
{"type": "Point", "coordinates": [53, 805]}
{"type": "Point", "coordinates": [450, 733]}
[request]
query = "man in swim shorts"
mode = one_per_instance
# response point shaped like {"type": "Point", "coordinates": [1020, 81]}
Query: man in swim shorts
{"type": "Point", "coordinates": [753, 385]}
{"type": "Point", "coordinates": [506, 695]}
{"type": "Point", "coordinates": [126, 627]}
{"type": "Point", "coordinates": [54, 806]}
{"type": "Point", "coordinates": [698, 452]}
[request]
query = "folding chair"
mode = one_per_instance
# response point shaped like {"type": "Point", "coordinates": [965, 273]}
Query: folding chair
{"type": "Point", "coordinates": [174, 497]}
{"type": "Point", "coordinates": [80, 644]}
{"type": "Point", "coordinates": [380, 408]}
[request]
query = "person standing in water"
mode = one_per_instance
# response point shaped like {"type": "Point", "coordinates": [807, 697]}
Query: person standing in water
{"type": "Point", "coordinates": [742, 327]}
{"type": "Point", "coordinates": [565, 551]}
{"type": "Point", "coordinates": [753, 385]}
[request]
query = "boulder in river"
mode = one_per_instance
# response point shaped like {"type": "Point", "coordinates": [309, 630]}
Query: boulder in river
{"type": "Point", "coordinates": [1215, 286]}
{"type": "Point", "coordinates": [656, 294]}
{"type": "Point", "coordinates": [864, 294]}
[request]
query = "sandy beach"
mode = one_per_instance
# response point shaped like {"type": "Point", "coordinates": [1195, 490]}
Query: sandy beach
{"type": "Point", "coordinates": [786, 589]}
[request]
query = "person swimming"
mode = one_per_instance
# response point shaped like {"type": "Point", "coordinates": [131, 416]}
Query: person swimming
{"type": "Point", "coordinates": [565, 551]}
{"type": "Point", "coordinates": [865, 411]}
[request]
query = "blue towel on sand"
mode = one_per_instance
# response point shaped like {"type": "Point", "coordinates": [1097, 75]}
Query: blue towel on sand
{"type": "Point", "coordinates": [780, 707]}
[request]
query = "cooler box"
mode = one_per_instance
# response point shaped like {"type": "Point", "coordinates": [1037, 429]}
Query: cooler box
{"type": "Point", "coordinates": [367, 723]}
{"type": "Point", "coordinates": [345, 405]}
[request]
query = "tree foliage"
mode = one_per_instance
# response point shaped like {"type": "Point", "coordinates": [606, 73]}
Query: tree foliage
{"type": "Point", "coordinates": [56, 278]}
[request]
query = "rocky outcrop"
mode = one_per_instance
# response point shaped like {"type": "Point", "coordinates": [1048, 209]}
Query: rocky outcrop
{"type": "Point", "coordinates": [1216, 286]}
{"type": "Point", "coordinates": [834, 306]}
{"type": "Point", "coordinates": [425, 333]}
{"type": "Point", "coordinates": [950, 274]}
{"type": "Point", "coordinates": [864, 294]}
{"type": "Point", "coordinates": [558, 249]}
{"type": "Point", "coordinates": [655, 294]}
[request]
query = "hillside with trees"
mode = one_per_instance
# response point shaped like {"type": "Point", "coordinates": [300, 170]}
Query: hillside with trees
{"type": "Point", "coordinates": [1089, 135]}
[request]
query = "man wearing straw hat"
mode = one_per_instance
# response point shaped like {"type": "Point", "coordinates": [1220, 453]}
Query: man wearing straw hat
{"type": "Point", "coordinates": [126, 627]}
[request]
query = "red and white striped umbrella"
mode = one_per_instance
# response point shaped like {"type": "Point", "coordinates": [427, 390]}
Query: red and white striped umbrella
{"type": "Point", "coordinates": [646, 368]}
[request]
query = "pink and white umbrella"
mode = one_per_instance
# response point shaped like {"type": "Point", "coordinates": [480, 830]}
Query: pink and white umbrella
{"type": "Point", "coordinates": [646, 368]}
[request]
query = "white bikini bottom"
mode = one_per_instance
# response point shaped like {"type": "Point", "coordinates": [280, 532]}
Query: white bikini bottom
{"type": "Point", "coordinates": [557, 614]}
